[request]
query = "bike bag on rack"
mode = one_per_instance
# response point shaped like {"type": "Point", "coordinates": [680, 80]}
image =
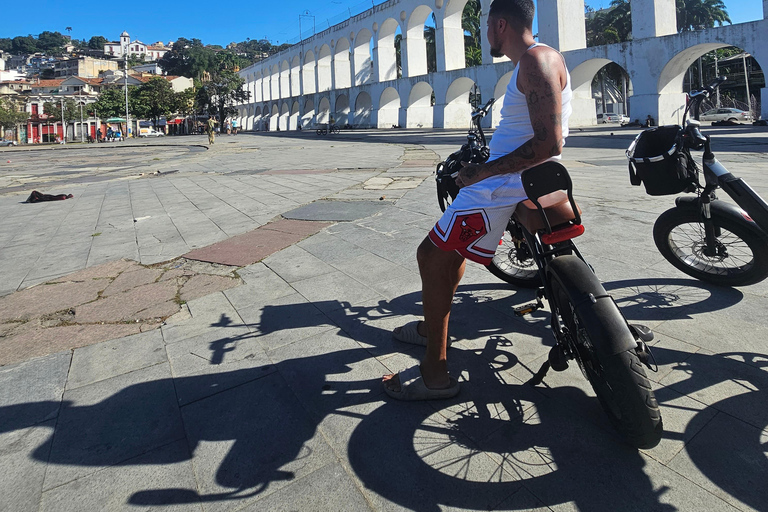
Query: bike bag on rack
{"type": "Point", "coordinates": [658, 160]}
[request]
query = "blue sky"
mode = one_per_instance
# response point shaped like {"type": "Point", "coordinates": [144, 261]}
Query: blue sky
{"type": "Point", "coordinates": [213, 22]}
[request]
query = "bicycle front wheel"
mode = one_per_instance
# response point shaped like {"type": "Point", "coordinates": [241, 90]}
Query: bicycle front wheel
{"type": "Point", "coordinates": [739, 258]}
{"type": "Point", "coordinates": [619, 380]}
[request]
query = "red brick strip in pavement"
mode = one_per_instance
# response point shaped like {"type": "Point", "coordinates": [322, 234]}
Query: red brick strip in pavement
{"type": "Point", "coordinates": [256, 245]}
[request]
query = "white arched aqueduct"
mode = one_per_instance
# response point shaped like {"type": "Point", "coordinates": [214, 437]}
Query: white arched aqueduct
{"type": "Point", "coordinates": [349, 72]}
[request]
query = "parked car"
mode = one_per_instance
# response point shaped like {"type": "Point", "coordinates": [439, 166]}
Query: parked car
{"type": "Point", "coordinates": [725, 114]}
{"type": "Point", "coordinates": [150, 132]}
{"type": "Point", "coordinates": [4, 142]}
{"type": "Point", "coordinates": [612, 118]}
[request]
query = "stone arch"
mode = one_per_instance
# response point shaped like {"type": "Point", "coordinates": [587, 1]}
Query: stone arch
{"type": "Point", "coordinates": [308, 74]}
{"type": "Point", "coordinates": [389, 108]}
{"type": "Point", "coordinates": [257, 119]}
{"type": "Point", "coordinates": [363, 108]}
{"type": "Point", "coordinates": [307, 118]}
{"type": "Point", "coordinates": [285, 112]}
{"type": "Point", "coordinates": [457, 112]}
{"type": "Point", "coordinates": [341, 116]}
{"type": "Point", "coordinates": [274, 83]}
{"type": "Point", "coordinates": [419, 113]}
{"type": "Point", "coordinates": [294, 74]}
{"type": "Point", "coordinates": [416, 46]}
{"type": "Point", "coordinates": [341, 64]}
{"type": "Point", "coordinates": [324, 111]}
{"type": "Point", "coordinates": [293, 121]}
{"type": "Point", "coordinates": [285, 83]}
{"type": "Point", "coordinates": [385, 50]}
{"type": "Point", "coordinates": [324, 82]}
{"type": "Point", "coordinates": [584, 101]}
{"type": "Point", "coordinates": [274, 118]}
{"type": "Point", "coordinates": [498, 92]}
{"type": "Point", "coordinates": [362, 57]}
{"type": "Point", "coordinates": [452, 51]}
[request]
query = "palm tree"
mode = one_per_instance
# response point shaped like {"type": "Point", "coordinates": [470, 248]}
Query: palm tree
{"type": "Point", "coordinates": [69, 30]}
{"type": "Point", "coordinates": [470, 22]}
{"type": "Point", "coordinates": [700, 14]}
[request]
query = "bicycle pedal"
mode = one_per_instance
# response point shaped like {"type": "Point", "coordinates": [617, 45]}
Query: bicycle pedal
{"type": "Point", "coordinates": [528, 308]}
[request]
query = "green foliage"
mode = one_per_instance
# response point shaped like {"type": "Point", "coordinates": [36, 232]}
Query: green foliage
{"type": "Point", "coordinates": [10, 115]}
{"type": "Point", "coordinates": [188, 58]}
{"type": "Point", "coordinates": [53, 110]}
{"type": "Point", "coordinates": [470, 22]}
{"type": "Point", "coordinates": [24, 45]}
{"type": "Point", "coordinates": [97, 42]}
{"type": "Point", "coordinates": [111, 103]}
{"type": "Point", "coordinates": [221, 93]}
{"type": "Point", "coordinates": [700, 14]}
{"type": "Point", "coordinates": [153, 100]}
{"type": "Point", "coordinates": [6, 43]}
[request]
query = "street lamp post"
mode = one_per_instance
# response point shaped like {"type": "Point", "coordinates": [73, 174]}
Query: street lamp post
{"type": "Point", "coordinates": [127, 119]}
{"type": "Point", "coordinates": [63, 126]}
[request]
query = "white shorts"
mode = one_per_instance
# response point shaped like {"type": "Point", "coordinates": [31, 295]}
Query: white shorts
{"type": "Point", "coordinates": [475, 222]}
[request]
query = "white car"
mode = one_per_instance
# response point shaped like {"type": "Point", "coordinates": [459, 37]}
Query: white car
{"type": "Point", "coordinates": [4, 142]}
{"type": "Point", "coordinates": [150, 132]}
{"type": "Point", "coordinates": [725, 114]}
{"type": "Point", "coordinates": [612, 118]}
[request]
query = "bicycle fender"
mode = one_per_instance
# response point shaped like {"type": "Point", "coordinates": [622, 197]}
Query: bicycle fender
{"type": "Point", "coordinates": [597, 310]}
{"type": "Point", "coordinates": [720, 209]}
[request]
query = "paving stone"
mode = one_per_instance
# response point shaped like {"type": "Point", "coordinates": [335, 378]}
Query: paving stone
{"type": "Point", "coordinates": [201, 285]}
{"type": "Point", "coordinates": [294, 264]}
{"type": "Point", "coordinates": [328, 488]}
{"type": "Point", "coordinates": [255, 438]}
{"type": "Point", "coordinates": [335, 210]}
{"type": "Point", "coordinates": [47, 299]}
{"type": "Point", "coordinates": [155, 300]}
{"type": "Point", "coordinates": [216, 361]}
{"type": "Point", "coordinates": [210, 312]}
{"type": "Point", "coordinates": [132, 279]}
{"type": "Point", "coordinates": [23, 452]}
{"type": "Point", "coordinates": [30, 392]}
{"type": "Point", "coordinates": [41, 341]}
{"type": "Point", "coordinates": [727, 458]}
{"type": "Point", "coordinates": [116, 357]}
{"type": "Point", "coordinates": [333, 290]}
{"type": "Point", "coordinates": [104, 271]}
{"type": "Point", "coordinates": [112, 421]}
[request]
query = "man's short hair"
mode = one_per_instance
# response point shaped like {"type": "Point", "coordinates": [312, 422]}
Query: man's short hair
{"type": "Point", "coordinates": [518, 13]}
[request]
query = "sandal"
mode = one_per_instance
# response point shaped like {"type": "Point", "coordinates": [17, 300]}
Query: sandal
{"type": "Point", "coordinates": [412, 387]}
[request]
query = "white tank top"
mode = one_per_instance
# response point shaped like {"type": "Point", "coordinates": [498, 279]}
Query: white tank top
{"type": "Point", "coordinates": [515, 128]}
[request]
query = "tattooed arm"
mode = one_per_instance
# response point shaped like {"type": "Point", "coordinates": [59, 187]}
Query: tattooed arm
{"type": "Point", "coordinates": [541, 79]}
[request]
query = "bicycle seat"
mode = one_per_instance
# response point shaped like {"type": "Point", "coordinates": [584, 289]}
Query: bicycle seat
{"type": "Point", "coordinates": [556, 206]}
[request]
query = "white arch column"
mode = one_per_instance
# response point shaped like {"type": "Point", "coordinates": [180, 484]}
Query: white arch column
{"type": "Point", "coordinates": [652, 18]}
{"type": "Point", "coordinates": [558, 23]}
{"type": "Point", "coordinates": [449, 38]}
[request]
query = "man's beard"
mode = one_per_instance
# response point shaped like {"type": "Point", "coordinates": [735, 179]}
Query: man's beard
{"type": "Point", "coordinates": [496, 52]}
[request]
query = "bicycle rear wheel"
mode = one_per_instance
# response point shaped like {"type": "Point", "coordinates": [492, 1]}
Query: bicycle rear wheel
{"type": "Point", "coordinates": [514, 264]}
{"type": "Point", "coordinates": [619, 380]}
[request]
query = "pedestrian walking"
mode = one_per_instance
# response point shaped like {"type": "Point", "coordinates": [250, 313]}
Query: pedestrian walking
{"type": "Point", "coordinates": [211, 130]}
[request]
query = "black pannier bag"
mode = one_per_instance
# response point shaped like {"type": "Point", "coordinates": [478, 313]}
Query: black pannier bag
{"type": "Point", "coordinates": [658, 160]}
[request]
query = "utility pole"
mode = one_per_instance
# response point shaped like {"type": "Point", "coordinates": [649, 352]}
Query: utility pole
{"type": "Point", "coordinates": [127, 119]}
{"type": "Point", "coordinates": [63, 126]}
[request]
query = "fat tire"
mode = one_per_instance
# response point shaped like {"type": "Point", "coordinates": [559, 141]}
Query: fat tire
{"type": "Point", "coordinates": [739, 274]}
{"type": "Point", "coordinates": [619, 380]}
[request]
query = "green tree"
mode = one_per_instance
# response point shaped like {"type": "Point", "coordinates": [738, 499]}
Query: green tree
{"type": "Point", "coordinates": [188, 58]}
{"type": "Point", "coordinates": [700, 14]}
{"type": "Point", "coordinates": [6, 43]}
{"type": "Point", "coordinates": [431, 43]}
{"type": "Point", "coordinates": [53, 109]}
{"type": "Point", "coordinates": [24, 45]}
{"type": "Point", "coordinates": [97, 42]}
{"type": "Point", "coordinates": [470, 22]}
{"type": "Point", "coordinates": [10, 115]}
{"type": "Point", "coordinates": [153, 100]}
{"type": "Point", "coordinates": [111, 103]}
{"type": "Point", "coordinates": [51, 42]}
{"type": "Point", "coordinates": [221, 93]}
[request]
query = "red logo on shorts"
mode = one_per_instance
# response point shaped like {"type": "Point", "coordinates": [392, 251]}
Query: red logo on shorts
{"type": "Point", "coordinates": [469, 227]}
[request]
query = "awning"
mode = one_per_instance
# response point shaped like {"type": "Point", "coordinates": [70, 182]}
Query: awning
{"type": "Point", "coordinates": [115, 120]}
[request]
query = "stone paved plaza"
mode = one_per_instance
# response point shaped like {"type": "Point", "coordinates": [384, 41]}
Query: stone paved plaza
{"type": "Point", "coordinates": [205, 328]}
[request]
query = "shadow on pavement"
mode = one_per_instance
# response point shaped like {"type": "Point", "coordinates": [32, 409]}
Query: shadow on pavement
{"type": "Point", "coordinates": [476, 451]}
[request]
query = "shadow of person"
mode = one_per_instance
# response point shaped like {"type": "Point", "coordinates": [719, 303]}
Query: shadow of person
{"type": "Point", "coordinates": [255, 428]}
